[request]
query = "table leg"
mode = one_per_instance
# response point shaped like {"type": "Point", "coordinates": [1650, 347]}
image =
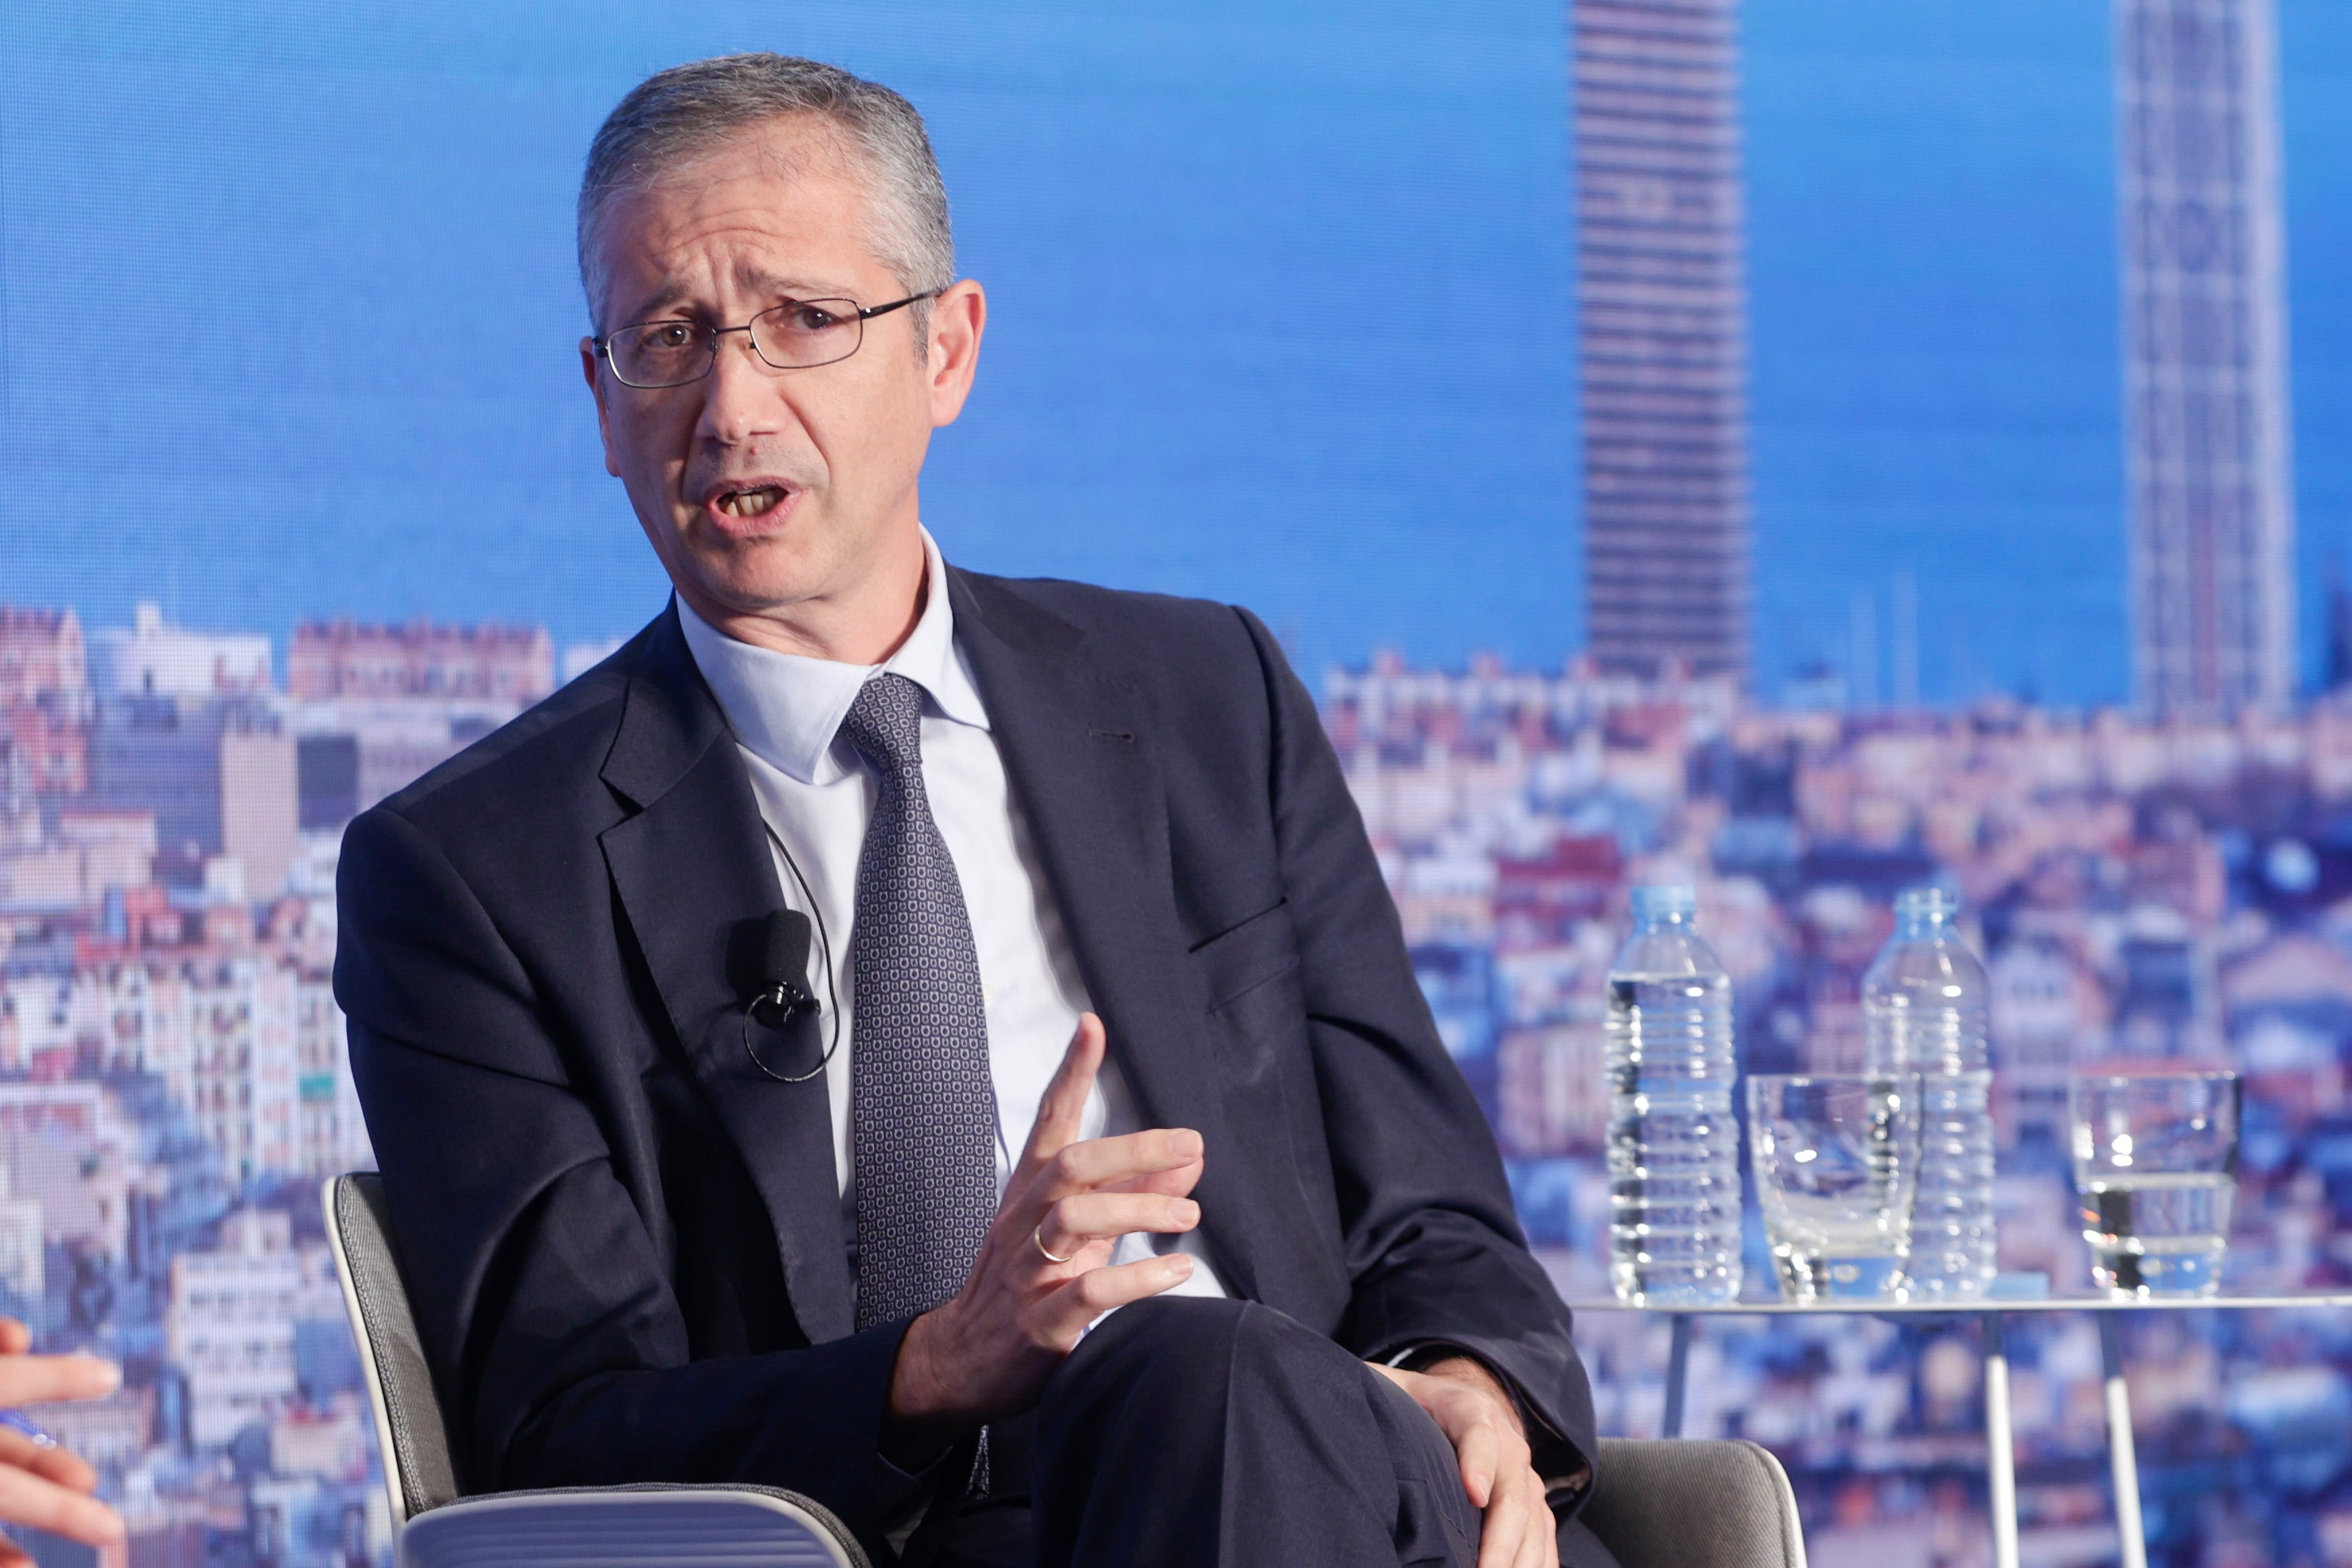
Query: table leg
{"type": "Point", "coordinates": [2001, 1445]}
{"type": "Point", "coordinates": [2122, 1459]}
{"type": "Point", "coordinates": [1678, 1371]}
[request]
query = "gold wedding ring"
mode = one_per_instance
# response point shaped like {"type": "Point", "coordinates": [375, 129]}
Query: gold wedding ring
{"type": "Point", "coordinates": [1037, 1235]}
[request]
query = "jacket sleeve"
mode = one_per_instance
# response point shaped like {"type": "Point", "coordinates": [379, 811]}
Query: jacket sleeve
{"type": "Point", "coordinates": [1433, 1247]}
{"type": "Point", "coordinates": [541, 1289]}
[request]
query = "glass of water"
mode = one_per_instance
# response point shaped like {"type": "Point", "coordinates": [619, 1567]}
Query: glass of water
{"type": "Point", "coordinates": [2156, 1166]}
{"type": "Point", "coordinates": [1836, 1160]}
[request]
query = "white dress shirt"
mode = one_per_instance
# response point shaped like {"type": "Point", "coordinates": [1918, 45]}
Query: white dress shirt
{"type": "Point", "coordinates": [817, 794]}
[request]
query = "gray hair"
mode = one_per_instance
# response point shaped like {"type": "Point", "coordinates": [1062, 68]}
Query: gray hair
{"type": "Point", "coordinates": [678, 115]}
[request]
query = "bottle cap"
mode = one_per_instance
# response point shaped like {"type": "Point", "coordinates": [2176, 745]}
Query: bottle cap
{"type": "Point", "coordinates": [1920, 903]}
{"type": "Point", "coordinates": [1663, 901]}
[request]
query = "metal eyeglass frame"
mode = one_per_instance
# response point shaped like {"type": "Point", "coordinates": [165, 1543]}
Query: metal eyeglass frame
{"type": "Point", "coordinates": [861, 314]}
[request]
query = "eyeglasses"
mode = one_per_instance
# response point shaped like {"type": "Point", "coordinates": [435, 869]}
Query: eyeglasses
{"type": "Point", "coordinates": [797, 335]}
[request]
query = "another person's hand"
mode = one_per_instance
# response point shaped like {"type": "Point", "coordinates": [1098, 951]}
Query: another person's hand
{"type": "Point", "coordinates": [1498, 1473]}
{"type": "Point", "coordinates": [45, 1487]}
{"type": "Point", "coordinates": [987, 1353]}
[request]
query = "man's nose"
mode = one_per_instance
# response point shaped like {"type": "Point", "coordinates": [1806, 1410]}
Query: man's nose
{"type": "Point", "coordinates": [743, 395]}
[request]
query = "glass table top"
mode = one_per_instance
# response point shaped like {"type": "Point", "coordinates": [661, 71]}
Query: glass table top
{"type": "Point", "coordinates": [2082, 1300]}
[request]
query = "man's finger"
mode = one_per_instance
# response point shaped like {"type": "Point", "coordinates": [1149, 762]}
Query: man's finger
{"type": "Point", "coordinates": [1097, 1163]}
{"type": "Point", "coordinates": [26, 1498]}
{"type": "Point", "coordinates": [36, 1379]}
{"type": "Point", "coordinates": [1062, 1110]}
{"type": "Point", "coordinates": [1543, 1529]}
{"type": "Point", "coordinates": [1478, 1453]}
{"type": "Point", "coordinates": [1176, 1181]}
{"type": "Point", "coordinates": [16, 1339]}
{"type": "Point", "coordinates": [1086, 1216]}
{"type": "Point", "coordinates": [1506, 1531]}
{"type": "Point", "coordinates": [1065, 1315]}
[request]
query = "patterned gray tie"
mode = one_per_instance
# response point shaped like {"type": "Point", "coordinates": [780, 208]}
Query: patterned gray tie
{"type": "Point", "coordinates": [923, 1110]}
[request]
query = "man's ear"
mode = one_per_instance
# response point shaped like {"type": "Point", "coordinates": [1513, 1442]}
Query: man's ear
{"type": "Point", "coordinates": [958, 318]}
{"type": "Point", "coordinates": [589, 360]}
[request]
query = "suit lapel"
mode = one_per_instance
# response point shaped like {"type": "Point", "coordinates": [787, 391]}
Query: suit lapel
{"type": "Point", "coordinates": [1079, 762]}
{"type": "Point", "coordinates": [693, 873]}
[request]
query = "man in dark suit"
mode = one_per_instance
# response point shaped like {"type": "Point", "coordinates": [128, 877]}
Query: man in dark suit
{"type": "Point", "coordinates": [1117, 1202]}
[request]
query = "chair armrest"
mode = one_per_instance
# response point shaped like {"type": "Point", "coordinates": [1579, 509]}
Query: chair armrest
{"type": "Point", "coordinates": [669, 1526]}
{"type": "Point", "coordinates": [1686, 1503]}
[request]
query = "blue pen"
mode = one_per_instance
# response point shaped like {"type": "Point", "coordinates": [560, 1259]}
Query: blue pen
{"type": "Point", "coordinates": [16, 1423]}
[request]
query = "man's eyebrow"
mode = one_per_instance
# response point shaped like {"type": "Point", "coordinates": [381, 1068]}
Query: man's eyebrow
{"type": "Point", "coordinates": [785, 287]}
{"type": "Point", "coordinates": [666, 295]}
{"type": "Point", "coordinates": [669, 292]}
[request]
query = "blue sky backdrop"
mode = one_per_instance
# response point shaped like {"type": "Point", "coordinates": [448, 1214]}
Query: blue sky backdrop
{"type": "Point", "coordinates": [1282, 312]}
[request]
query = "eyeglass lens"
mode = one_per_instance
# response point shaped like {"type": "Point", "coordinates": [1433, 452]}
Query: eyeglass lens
{"type": "Point", "coordinates": [791, 337]}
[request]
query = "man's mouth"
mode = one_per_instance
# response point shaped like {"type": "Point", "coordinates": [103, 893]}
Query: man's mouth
{"type": "Point", "coordinates": [756, 502]}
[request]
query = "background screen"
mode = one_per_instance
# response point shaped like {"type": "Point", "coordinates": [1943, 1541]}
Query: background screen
{"type": "Point", "coordinates": [1284, 311]}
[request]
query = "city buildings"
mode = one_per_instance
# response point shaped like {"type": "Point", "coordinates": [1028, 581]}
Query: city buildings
{"type": "Point", "coordinates": [174, 1077]}
{"type": "Point", "coordinates": [2210, 485]}
{"type": "Point", "coordinates": [44, 702]}
{"type": "Point", "coordinates": [2154, 889]}
{"type": "Point", "coordinates": [229, 1328]}
{"type": "Point", "coordinates": [152, 658]}
{"type": "Point", "coordinates": [23, 1259]}
{"type": "Point", "coordinates": [1663, 309]}
{"type": "Point", "coordinates": [419, 659]}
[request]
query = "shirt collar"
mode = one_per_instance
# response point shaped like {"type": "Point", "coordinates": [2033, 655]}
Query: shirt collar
{"type": "Point", "coordinates": [787, 708]}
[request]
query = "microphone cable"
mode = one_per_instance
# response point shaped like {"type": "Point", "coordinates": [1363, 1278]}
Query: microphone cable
{"type": "Point", "coordinates": [825, 948]}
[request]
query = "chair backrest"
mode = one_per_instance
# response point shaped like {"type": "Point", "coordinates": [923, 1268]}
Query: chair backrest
{"type": "Point", "coordinates": [418, 1471]}
{"type": "Point", "coordinates": [1689, 1502]}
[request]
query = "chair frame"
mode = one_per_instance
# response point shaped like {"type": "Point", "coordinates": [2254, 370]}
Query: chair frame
{"type": "Point", "coordinates": [673, 1526]}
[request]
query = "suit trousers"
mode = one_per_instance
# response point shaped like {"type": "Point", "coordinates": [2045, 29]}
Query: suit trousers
{"type": "Point", "coordinates": [1186, 1432]}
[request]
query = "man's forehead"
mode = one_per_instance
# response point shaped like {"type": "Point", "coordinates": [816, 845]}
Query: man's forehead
{"type": "Point", "coordinates": [791, 145]}
{"type": "Point", "coordinates": [734, 187]}
{"type": "Point", "coordinates": [776, 211]}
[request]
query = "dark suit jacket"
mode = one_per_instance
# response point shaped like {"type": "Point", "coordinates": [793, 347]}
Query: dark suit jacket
{"type": "Point", "coordinates": [625, 1243]}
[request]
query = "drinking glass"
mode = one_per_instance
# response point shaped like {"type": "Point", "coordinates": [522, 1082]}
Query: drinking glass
{"type": "Point", "coordinates": [1836, 1159]}
{"type": "Point", "coordinates": [2156, 1166]}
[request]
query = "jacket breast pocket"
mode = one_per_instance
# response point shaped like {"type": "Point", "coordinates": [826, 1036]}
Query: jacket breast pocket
{"type": "Point", "coordinates": [1258, 1030]}
{"type": "Point", "coordinates": [1257, 1013]}
{"type": "Point", "coordinates": [1262, 948]}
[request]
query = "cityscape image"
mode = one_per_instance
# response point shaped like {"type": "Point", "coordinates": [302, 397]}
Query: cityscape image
{"type": "Point", "coordinates": [1805, 449]}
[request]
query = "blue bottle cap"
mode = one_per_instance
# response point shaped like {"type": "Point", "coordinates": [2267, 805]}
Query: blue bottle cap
{"type": "Point", "coordinates": [1665, 901]}
{"type": "Point", "coordinates": [1927, 903]}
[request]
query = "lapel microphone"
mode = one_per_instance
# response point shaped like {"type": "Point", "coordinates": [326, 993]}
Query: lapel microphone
{"type": "Point", "coordinates": [784, 970]}
{"type": "Point", "coordinates": [782, 994]}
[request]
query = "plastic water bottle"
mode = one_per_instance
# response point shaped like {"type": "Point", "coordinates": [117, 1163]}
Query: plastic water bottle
{"type": "Point", "coordinates": [1674, 1147]}
{"type": "Point", "coordinates": [1923, 1006]}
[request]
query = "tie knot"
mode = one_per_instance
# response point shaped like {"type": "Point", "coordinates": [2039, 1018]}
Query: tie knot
{"type": "Point", "coordinates": [886, 723]}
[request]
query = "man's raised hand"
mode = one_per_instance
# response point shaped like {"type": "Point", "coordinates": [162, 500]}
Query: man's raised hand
{"type": "Point", "coordinates": [987, 1353]}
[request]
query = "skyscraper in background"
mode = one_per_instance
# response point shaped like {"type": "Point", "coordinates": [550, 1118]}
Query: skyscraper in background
{"type": "Point", "coordinates": [1662, 300]}
{"type": "Point", "coordinates": [2211, 496]}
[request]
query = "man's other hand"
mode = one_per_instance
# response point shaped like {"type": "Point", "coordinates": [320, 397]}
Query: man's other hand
{"type": "Point", "coordinates": [987, 1353]}
{"type": "Point", "coordinates": [1498, 1473]}
{"type": "Point", "coordinates": [45, 1487]}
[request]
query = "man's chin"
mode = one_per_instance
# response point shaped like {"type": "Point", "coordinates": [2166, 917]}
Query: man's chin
{"type": "Point", "coordinates": [755, 579]}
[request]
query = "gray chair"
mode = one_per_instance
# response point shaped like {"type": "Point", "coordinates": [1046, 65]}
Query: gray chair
{"type": "Point", "coordinates": [1675, 1504]}
{"type": "Point", "coordinates": [571, 1527]}
{"type": "Point", "coordinates": [1680, 1502]}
